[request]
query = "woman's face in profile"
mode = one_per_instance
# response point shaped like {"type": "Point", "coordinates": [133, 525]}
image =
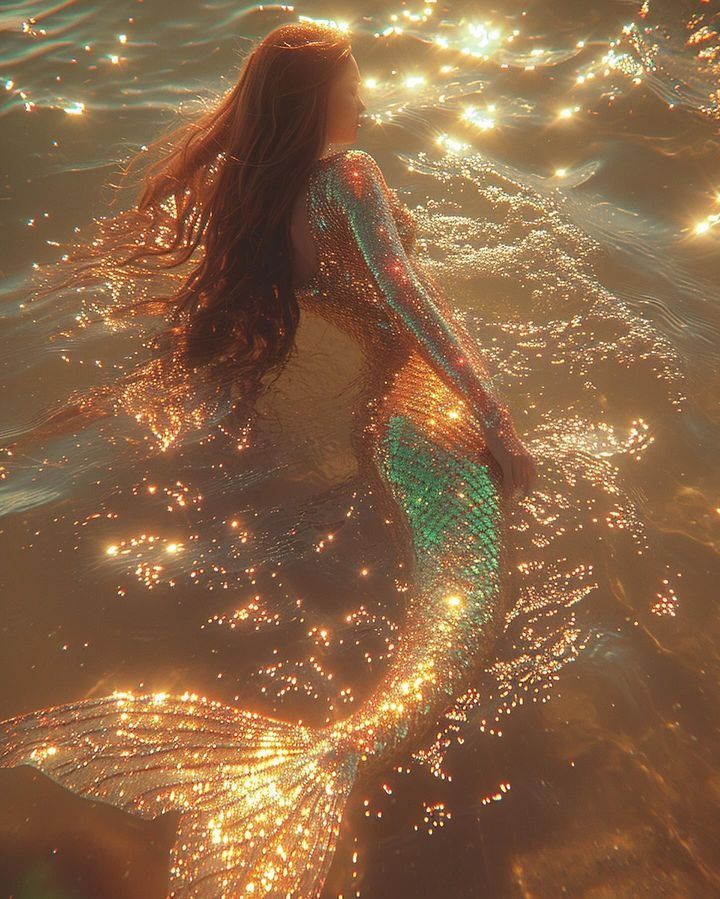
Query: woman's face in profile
{"type": "Point", "coordinates": [345, 105]}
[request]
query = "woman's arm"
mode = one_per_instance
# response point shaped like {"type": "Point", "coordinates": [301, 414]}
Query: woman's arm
{"type": "Point", "coordinates": [359, 190]}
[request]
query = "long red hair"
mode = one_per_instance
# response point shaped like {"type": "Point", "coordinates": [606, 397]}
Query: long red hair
{"type": "Point", "coordinates": [215, 206]}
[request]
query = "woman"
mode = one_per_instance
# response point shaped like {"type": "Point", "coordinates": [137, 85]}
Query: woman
{"type": "Point", "coordinates": [284, 225]}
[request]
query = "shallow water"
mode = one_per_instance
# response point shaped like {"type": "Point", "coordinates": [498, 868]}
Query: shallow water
{"type": "Point", "coordinates": [573, 216]}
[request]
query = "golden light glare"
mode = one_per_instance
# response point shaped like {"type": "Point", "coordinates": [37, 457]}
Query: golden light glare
{"type": "Point", "coordinates": [479, 119]}
{"type": "Point", "coordinates": [413, 81]}
{"type": "Point", "coordinates": [452, 144]}
{"type": "Point", "coordinates": [706, 224]}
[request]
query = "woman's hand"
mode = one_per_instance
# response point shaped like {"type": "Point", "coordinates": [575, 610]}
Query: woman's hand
{"type": "Point", "coordinates": [517, 464]}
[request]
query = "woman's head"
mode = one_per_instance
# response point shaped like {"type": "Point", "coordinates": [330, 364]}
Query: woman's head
{"type": "Point", "coordinates": [218, 199]}
{"type": "Point", "coordinates": [298, 91]}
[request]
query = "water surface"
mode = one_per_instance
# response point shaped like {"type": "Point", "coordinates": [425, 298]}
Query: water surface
{"type": "Point", "coordinates": [562, 161]}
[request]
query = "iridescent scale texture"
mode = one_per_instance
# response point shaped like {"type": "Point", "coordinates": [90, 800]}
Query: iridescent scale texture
{"type": "Point", "coordinates": [425, 434]}
{"type": "Point", "coordinates": [261, 799]}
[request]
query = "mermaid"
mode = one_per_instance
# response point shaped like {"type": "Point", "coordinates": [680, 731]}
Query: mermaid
{"type": "Point", "coordinates": [285, 226]}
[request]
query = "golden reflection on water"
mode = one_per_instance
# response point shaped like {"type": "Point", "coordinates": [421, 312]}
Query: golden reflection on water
{"type": "Point", "coordinates": [600, 385]}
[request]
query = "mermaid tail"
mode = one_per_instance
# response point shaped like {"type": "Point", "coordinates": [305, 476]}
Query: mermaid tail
{"type": "Point", "coordinates": [455, 521]}
{"type": "Point", "coordinates": [261, 800]}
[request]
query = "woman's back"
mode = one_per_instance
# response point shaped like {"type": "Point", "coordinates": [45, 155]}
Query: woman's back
{"type": "Point", "coordinates": [332, 278]}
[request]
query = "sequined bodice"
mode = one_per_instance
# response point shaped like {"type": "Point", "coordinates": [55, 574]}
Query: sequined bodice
{"type": "Point", "coordinates": [370, 284]}
{"type": "Point", "coordinates": [342, 280]}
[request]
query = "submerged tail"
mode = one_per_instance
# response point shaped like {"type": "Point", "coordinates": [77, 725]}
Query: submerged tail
{"type": "Point", "coordinates": [261, 799]}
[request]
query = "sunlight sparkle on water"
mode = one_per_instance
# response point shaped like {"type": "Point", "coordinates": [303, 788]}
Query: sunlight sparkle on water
{"type": "Point", "coordinates": [480, 120]}
{"type": "Point", "coordinates": [706, 224]}
{"type": "Point", "coordinates": [452, 144]}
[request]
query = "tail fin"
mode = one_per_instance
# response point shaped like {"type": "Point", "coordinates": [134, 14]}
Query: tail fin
{"type": "Point", "coordinates": [261, 799]}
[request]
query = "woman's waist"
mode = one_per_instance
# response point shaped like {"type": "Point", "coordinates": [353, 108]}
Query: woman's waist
{"type": "Point", "coordinates": [416, 391]}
